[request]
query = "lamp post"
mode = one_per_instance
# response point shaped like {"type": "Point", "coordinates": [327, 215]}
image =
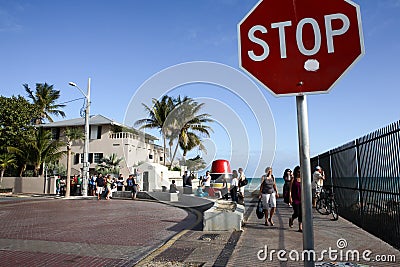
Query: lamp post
{"type": "Point", "coordinates": [86, 142]}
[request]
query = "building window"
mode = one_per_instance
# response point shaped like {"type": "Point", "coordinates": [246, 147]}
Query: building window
{"type": "Point", "coordinates": [150, 156]}
{"type": "Point", "coordinates": [76, 158]}
{"type": "Point", "coordinates": [95, 132]}
{"type": "Point", "coordinates": [55, 133]}
{"type": "Point", "coordinates": [98, 157]}
{"type": "Point", "coordinates": [161, 158]}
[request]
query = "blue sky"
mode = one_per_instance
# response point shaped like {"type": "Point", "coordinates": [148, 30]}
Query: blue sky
{"type": "Point", "coordinates": [121, 44]}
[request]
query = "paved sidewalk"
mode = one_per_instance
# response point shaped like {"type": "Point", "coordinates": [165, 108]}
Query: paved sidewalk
{"type": "Point", "coordinates": [339, 235]}
{"type": "Point", "coordinates": [198, 248]}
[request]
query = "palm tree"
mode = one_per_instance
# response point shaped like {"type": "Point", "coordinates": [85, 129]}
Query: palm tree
{"type": "Point", "coordinates": [44, 98]}
{"type": "Point", "coordinates": [157, 116]}
{"type": "Point", "coordinates": [44, 149]}
{"type": "Point", "coordinates": [23, 155]}
{"type": "Point", "coordinates": [71, 134]}
{"type": "Point", "coordinates": [6, 161]}
{"type": "Point", "coordinates": [109, 164]}
{"type": "Point", "coordinates": [193, 126]}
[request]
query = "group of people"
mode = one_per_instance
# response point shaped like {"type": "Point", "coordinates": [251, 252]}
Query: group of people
{"type": "Point", "coordinates": [104, 186]}
{"type": "Point", "coordinates": [238, 184]}
{"type": "Point", "coordinates": [235, 189]}
{"type": "Point", "coordinates": [100, 186]}
{"type": "Point", "coordinates": [291, 193]}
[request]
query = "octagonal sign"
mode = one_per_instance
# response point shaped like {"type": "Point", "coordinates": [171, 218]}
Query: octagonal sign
{"type": "Point", "coordinates": [300, 46]}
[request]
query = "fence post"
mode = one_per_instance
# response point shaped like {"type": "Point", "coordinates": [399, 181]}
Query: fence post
{"type": "Point", "coordinates": [359, 183]}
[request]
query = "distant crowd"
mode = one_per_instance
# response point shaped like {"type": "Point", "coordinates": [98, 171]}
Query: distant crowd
{"type": "Point", "coordinates": [100, 186]}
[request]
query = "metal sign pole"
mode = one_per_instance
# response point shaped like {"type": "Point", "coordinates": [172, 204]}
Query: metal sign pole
{"type": "Point", "coordinates": [304, 151]}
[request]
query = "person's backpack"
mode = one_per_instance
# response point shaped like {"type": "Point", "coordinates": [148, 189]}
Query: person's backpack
{"type": "Point", "coordinates": [259, 210]}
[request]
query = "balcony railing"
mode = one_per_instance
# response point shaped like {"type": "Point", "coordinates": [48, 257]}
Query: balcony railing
{"type": "Point", "coordinates": [123, 135]}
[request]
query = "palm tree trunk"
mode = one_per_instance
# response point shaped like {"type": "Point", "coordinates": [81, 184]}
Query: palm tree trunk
{"type": "Point", "coordinates": [1, 177]}
{"type": "Point", "coordinates": [170, 151]}
{"type": "Point", "coordinates": [68, 190]}
{"type": "Point", "coordinates": [165, 147]}
{"type": "Point", "coordinates": [23, 168]}
{"type": "Point", "coordinates": [176, 150]}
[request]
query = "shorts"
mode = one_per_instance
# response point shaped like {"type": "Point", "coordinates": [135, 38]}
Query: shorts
{"type": "Point", "coordinates": [314, 193]}
{"type": "Point", "coordinates": [99, 190]}
{"type": "Point", "coordinates": [134, 189]}
{"type": "Point", "coordinates": [269, 200]}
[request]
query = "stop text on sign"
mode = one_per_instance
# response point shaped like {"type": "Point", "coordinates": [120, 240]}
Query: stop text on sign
{"type": "Point", "coordinates": [281, 26]}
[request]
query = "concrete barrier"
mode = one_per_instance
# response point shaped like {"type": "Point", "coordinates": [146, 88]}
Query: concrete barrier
{"type": "Point", "coordinates": [224, 216]}
{"type": "Point", "coordinates": [165, 196]}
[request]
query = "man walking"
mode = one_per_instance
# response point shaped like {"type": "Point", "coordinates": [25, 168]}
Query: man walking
{"type": "Point", "coordinates": [100, 186]}
{"type": "Point", "coordinates": [317, 184]}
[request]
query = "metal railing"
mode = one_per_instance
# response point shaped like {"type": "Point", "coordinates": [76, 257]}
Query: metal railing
{"type": "Point", "coordinates": [365, 175]}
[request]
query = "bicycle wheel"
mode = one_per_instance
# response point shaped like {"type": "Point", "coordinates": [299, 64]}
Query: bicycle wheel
{"type": "Point", "coordinates": [322, 206]}
{"type": "Point", "coordinates": [334, 210]}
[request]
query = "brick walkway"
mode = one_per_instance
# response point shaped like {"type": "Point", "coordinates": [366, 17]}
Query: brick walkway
{"type": "Point", "coordinates": [125, 232]}
{"type": "Point", "coordinates": [85, 232]}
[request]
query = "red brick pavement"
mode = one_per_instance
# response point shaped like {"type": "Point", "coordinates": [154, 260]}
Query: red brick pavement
{"type": "Point", "coordinates": [85, 232]}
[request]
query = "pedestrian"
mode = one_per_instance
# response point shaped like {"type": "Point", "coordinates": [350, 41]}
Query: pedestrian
{"type": "Point", "coordinates": [207, 182]}
{"type": "Point", "coordinates": [109, 183]}
{"type": "Point", "coordinates": [114, 187]}
{"type": "Point", "coordinates": [73, 187]}
{"type": "Point", "coordinates": [268, 194]}
{"type": "Point", "coordinates": [242, 183]}
{"type": "Point", "coordinates": [91, 185]}
{"type": "Point", "coordinates": [62, 187]}
{"type": "Point", "coordinates": [287, 177]}
{"type": "Point", "coordinates": [234, 186]}
{"type": "Point", "coordinates": [295, 198]}
{"type": "Point", "coordinates": [172, 187]}
{"type": "Point", "coordinates": [129, 183]}
{"type": "Point", "coordinates": [317, 184]}
{"type": "Point", "coordinates": [79, 185]}
{"type": "Point", "coordinates": [135, 186]}
{"type": "Point", "coordinates": [99, 186]}
{"type": "Point", "coordinates": [185, 178]}
{"type": "Point", "coordinates": [120, 183]}
{"type": "Point", "coordinates": [189, 180]}
{"type": "Point", "coordinates": [58, 185]}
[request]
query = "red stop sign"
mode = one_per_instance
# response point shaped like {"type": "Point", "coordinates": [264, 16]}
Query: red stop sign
{"type": "Point", "coordinates": [300, 46]}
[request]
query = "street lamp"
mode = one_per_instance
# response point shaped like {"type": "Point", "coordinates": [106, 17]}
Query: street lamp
{"type": "Point", "coordinates": [86, 142]}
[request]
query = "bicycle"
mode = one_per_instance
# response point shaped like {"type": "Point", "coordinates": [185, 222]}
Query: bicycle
{"type": "Point", "coordinates": [326, 204]}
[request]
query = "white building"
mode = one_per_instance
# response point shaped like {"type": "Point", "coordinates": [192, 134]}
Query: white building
{"type": "Point", "coordinates": [108, 137]}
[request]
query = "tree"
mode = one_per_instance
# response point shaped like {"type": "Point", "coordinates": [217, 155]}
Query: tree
{"type": "Point", "coordinates": [157, 115]}
{"type": "Point", "coordinates": [44, 99]}
{"type": "Point", "coordinates": [193, 126]}
{"type": "Point", "coordinates": [195, 164]}
{"type": "Point", "coordinates": [43, 149]}
{"type": "Point", "coordinates": [71, 134]}
{"type": "Point", "coordinates": [16, 115]}
{"type": "Point", "coordinates": [189, 141]}
{"type": "Point", "coordinates": [6, 161]}
{"type": "Point", "coordinates": [109, 164]}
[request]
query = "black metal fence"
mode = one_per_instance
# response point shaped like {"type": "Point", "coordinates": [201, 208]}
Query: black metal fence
{"type": "Point", "coordinates": [365, 175]}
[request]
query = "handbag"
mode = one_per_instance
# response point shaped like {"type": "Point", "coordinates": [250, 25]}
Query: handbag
{"type": "Point", "coordinates": [259, 210]}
